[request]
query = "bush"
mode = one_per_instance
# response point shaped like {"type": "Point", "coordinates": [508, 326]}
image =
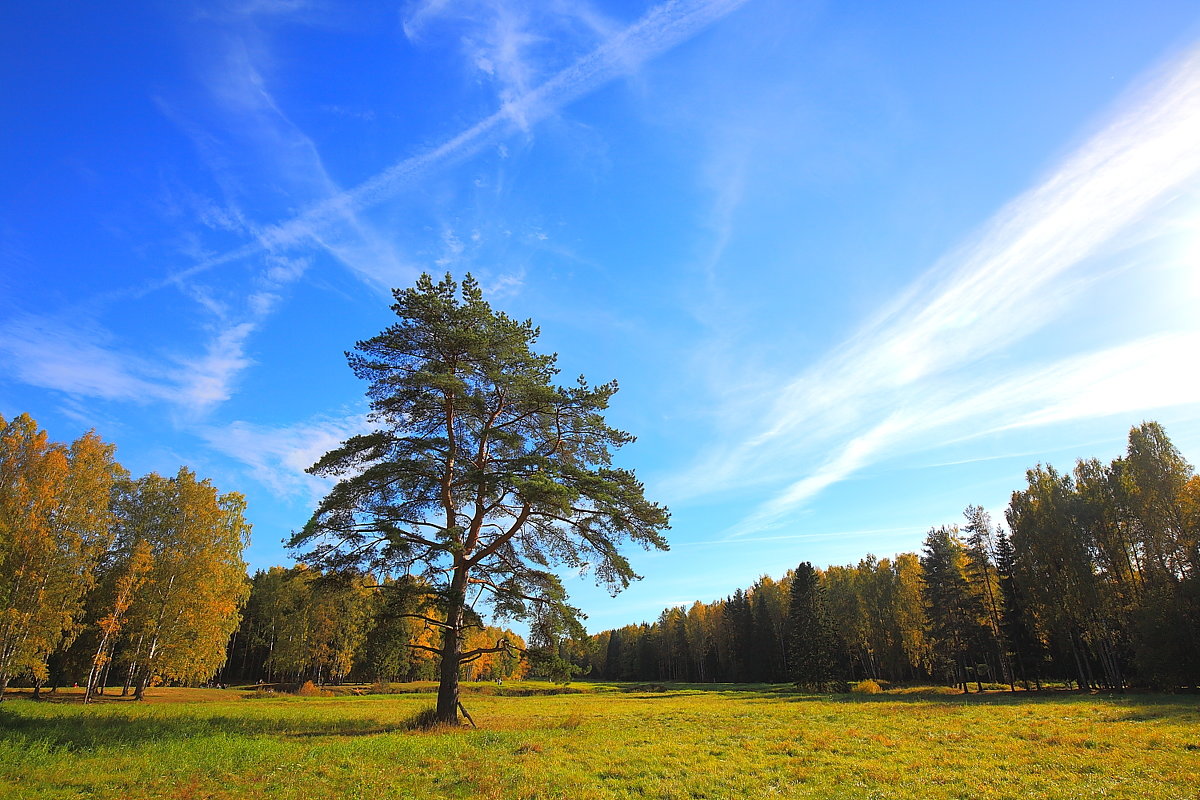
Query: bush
{"type": "Point", "coordinates": [866, 687]}
{"type": "Point", "coordinates": [310, 689]}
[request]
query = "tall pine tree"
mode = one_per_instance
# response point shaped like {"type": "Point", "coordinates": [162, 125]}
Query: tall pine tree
{"type": "Point", "coordinates": [813, 641]}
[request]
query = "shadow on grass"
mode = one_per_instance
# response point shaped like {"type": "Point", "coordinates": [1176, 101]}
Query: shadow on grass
{"type": "Point", "coordinates": [86, 732]}
{"type": "Point", "coordinates": [1128, 707]}
{"type": "Point", "coordinates": [676, 688]}
{"type": "Point", "coordinates": [1132, 706]}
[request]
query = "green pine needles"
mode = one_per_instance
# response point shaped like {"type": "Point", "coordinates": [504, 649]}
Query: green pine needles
{"type": "Point", "coordinates": [481, 477]}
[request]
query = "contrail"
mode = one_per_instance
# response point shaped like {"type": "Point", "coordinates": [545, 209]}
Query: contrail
{"type": "Point", "coordinates": [662, 29]}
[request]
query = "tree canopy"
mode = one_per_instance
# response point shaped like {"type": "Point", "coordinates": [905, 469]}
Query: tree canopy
{"type": "Point", "coordinates": [98, 569]}
{"type": "Point", "coordinates": [482, 475]}
{"type": "Point", "coordinates": [1096, 583]}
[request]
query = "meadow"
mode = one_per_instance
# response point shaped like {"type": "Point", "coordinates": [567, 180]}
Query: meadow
{"type": "Point", "coordinates": [605, 741]}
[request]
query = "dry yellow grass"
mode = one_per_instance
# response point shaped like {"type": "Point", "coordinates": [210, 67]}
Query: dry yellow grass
{"type": "Point", "coordinates": [609, 742]}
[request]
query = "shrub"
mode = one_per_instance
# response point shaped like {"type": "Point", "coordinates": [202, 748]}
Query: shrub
{"type": "Point", "coordinates": [310, 689]}
{"type": "Point", "coordinates": [866, 687]}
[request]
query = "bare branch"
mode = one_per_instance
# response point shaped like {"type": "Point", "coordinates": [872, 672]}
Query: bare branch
{"type": "Point", "coordinates": [502, 646]}
{"type": "Point", "coordinates": [437, 623]}
{"type": "Point", "coordinates": [500, 540]}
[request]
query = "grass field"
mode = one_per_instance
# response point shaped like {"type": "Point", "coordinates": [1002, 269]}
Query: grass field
{"type": "Point", "coordinates": [608, 741]}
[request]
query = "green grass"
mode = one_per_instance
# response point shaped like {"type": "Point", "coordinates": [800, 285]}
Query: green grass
{"type": "Point", "coordinates": [609, 741]}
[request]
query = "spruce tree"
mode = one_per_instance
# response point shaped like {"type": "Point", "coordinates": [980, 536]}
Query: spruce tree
{"type": "Point", "coordinates": [956, 613]}
{"type": "Point", "coordinates": [813, 641]}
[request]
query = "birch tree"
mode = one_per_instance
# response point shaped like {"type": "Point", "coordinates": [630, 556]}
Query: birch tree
{"type": "Point", "coordinates": [55, 522]}
{"type": "Point", "coordinates": [184, 612]}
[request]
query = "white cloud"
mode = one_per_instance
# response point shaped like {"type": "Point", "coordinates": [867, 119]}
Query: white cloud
{"type": "Point", "coordinates": [514, 44]}
{"type": "Point", "coordinates": [662, 28]}
{"type": "Point", "coordinates": [207, 381]}
{"type": "Point", "coordinates": [1147, 374]}
{"type": "Point", "coordinates": [498, 286]}
{"type": "Point", "coordinates": [873, 533]}
{"type": "Point", "coordinates": [904, 372]}
{"type": "Point", "coordinates": [277, 456]}
{"type": "Point", "coordinates": [293, 159]}
{"type": "Point", "coordinates": [1139, 376]}
{"type": "Point", "coordinates": [81, 358]}
{"type": "Point", "coordinates": [77, 358]}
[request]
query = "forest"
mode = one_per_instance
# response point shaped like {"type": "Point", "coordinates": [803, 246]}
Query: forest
{"type": "Point", "coordinates": [109, 579]}
{"type": "Point", "coordinates": [300, 625]}
{"type": "Point", "coordinates": [1093, 581]}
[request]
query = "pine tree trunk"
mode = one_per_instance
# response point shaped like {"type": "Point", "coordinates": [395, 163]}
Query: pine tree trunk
{"type": "Point", "coordinates": [447, 702]}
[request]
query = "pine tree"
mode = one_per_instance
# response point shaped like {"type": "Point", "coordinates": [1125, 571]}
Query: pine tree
{"type": "Point", "coordinates": [1026, 649]}
{"type": "Point", "coordinates": [813, 641]}
{"type": "Point", "coordinates": [481, 473]}
{"type": "Point", "coordinates": [955, 612]}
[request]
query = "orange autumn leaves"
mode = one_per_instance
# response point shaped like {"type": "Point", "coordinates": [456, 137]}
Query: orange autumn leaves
{"type": "Point", "coordinates": [55, 522]}
{"type": "Point", "coordinates": [149, 572]}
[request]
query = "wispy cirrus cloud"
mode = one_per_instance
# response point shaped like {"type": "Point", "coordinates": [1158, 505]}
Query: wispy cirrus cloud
{"type": "Point", "coordinates": [250, 122]}
{"type": "Point", "coordinates": [205, 381]}
{"type": "Point", "coordinates": [78, 358]}
{"type": "Point", "coordinates": [81, 359]}
{"type": "Point", "coordinates": [903, 380]}
{"type": "Point", "coordinates": [277, 456]}
{"type": "Point", "coordinates": [1135, 377]}
{"type": "Point", "coordinates": [75, 354]}
{"type": "Point", "coordinates": [663, 27]}
{"type": "Point", "coordinates": [510, 43]}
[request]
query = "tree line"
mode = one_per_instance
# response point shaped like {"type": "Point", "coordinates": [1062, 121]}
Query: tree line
{"type": "Point", "coordinates": [105, 578]}
{"type": "Point", "coordinates": [1096, 582]}
{"type": "Point", "coordinates": [480, 479]}
{"type": "Point", "coordinates": [108, 580]}
{"type": "Point", "coordinates": [301, 625]}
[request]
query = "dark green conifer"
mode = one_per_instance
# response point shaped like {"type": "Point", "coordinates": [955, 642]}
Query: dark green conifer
{"type": "Point", "coordinates": [813, 641]}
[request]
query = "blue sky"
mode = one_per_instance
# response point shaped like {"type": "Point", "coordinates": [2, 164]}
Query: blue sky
{"type": "Point", "coordinates": [856, 266]}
